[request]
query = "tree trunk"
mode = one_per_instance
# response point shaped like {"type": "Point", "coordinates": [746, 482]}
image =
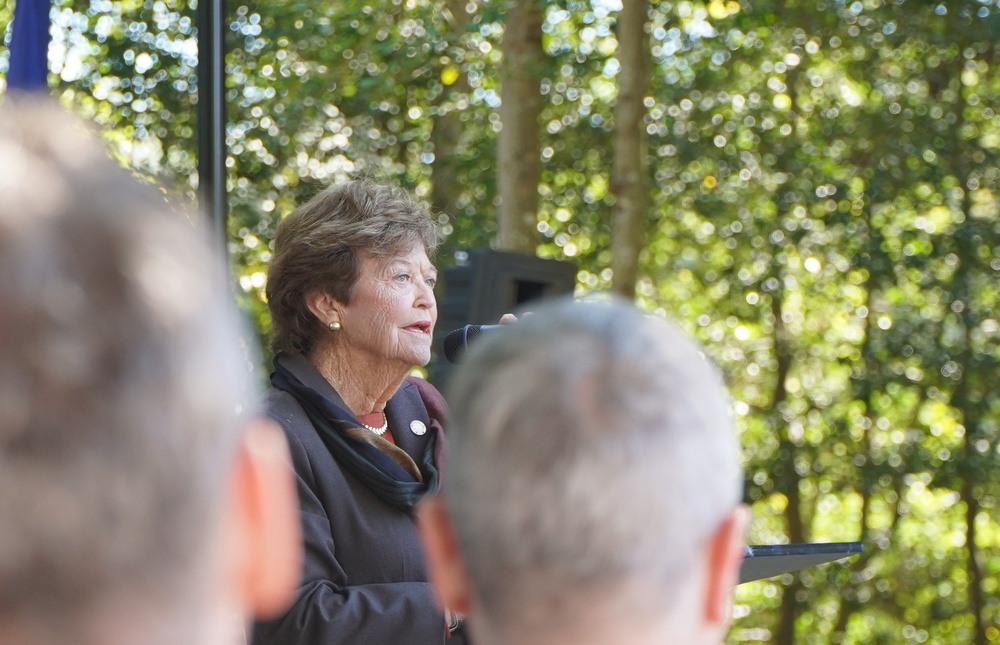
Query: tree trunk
{"type": "Point", "coordinates": [628, 181]}
{"type": "Point", "coordinates": [968, 394]}
{"type": "Point", "coordinates": [864, 388]}
{"type": "Point", "coordinates": [521, 106]}
{"type": "Point", "coordinates": [446, 135]}
{"type": "Point", "coordinates": [964, 401]}
{"type": "Point", "coordinates": [788, 483]}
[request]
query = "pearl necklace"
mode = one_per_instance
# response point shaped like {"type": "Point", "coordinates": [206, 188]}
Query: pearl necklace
{"type": "Point", "coordinates": [379, 430]}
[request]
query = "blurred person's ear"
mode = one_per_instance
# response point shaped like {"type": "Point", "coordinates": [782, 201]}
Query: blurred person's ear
{"type": "Point", "coordinates": [725, 555]}
{"type": "Point", "coordinates": [446, 570]}
{"type": "Point", "coordinates": [264, 547]}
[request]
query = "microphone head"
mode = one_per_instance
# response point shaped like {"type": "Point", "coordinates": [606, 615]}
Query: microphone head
{"type": "Point", "coordinates": [457, 341]}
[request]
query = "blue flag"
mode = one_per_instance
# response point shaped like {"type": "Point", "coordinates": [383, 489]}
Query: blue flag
{"type": "Point", "coordinates": [29, 46]}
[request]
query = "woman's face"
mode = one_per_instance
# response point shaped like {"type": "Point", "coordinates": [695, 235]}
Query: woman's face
{"type": "Point", "coordinates": [392, 314]}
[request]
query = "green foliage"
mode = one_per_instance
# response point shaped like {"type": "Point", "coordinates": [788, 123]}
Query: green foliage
{"type": "Point", "coordinates": [818, 176]}
{"type": "Point", "coordinates": [824, 218]}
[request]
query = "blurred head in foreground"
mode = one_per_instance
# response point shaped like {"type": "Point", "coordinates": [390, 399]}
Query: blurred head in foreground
{"type": "Point", "coordinates": [594, 487]}
{"type": "Point", "coordinates": [139, 503]}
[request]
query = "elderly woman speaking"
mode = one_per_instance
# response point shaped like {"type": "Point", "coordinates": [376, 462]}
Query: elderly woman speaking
{"type": "Point", "coordinates": [351, 294]}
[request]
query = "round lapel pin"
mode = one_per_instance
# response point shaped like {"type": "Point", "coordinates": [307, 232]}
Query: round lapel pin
{"type": "Point", "coordinates": [418, 427]}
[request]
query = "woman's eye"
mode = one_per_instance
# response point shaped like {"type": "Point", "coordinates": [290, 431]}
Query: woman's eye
{"type": "Point", "coordinates": [402, 277]}
{"type": "Point", "coordinates": [431, 282]}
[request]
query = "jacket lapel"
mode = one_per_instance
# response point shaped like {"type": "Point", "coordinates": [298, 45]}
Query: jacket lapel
{"type": "Point", "coordinates": [402, 410]}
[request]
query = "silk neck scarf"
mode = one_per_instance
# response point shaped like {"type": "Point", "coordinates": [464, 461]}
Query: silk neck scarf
{"type": "Point", "coordinates": [383, 476]}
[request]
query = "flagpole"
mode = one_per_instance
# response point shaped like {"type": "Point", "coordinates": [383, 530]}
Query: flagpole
{"type": "Point", "coordinates": [212, 116]}
{"type": "Point", "coordinates": [29, 46]}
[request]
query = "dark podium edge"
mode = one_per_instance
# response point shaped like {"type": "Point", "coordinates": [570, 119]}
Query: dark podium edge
{"type": "Point", "coordinates": [768, 560]}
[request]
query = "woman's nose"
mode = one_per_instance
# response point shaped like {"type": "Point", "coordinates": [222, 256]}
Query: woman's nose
{"type": "Point", "coordinates": [425, 295]}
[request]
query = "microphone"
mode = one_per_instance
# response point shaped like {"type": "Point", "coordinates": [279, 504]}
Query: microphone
{"type": "Point", "coordinates": [457, 341]}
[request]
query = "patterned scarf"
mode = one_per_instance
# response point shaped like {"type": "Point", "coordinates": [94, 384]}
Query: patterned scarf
{"type": "Point", "coordinates": [383, 476]}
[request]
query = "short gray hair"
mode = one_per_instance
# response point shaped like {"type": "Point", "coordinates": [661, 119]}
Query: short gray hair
{"type": "Point", "coordinates": [590, 444]}
{"type": "Point", "coordinates": [121, 375]}
{"type": "Point", "coordinates": [320, 245]}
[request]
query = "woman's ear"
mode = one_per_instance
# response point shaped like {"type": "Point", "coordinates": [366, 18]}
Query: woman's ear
{"type": "Point", "coordinates": [264, 547]}
{"type": "Point", "coordinates": [725, 555]}
{"type": "Point", "coordinates": [324, 306]}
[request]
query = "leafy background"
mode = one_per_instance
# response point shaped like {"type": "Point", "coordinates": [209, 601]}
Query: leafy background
{"type": "Point", "coordinates": [824, 218]}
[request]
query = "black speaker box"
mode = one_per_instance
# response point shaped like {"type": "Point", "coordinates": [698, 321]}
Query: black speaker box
{"type": "Point", "coordinates": [488, 285]}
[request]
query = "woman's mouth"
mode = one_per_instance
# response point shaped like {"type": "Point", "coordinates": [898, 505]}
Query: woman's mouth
{"type": "Point", "coordinates": [422, 327]}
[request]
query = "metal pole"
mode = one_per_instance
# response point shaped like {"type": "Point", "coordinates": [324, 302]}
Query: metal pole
{"type": "Point", "coordinates": [212, 116]}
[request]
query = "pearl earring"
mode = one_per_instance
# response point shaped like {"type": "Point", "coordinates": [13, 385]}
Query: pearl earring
{"type": "Point", "coordinates": [334, 326]}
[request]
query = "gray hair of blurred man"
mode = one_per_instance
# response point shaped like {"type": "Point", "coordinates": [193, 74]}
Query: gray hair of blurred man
{"type": "Point", "coordinates": [592, 459]}
{"type": "Point", "coordinates": [122, 375]}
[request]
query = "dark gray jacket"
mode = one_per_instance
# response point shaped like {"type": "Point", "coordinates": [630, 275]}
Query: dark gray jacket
{"type": "Point", "coordinates": [364, 580]}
